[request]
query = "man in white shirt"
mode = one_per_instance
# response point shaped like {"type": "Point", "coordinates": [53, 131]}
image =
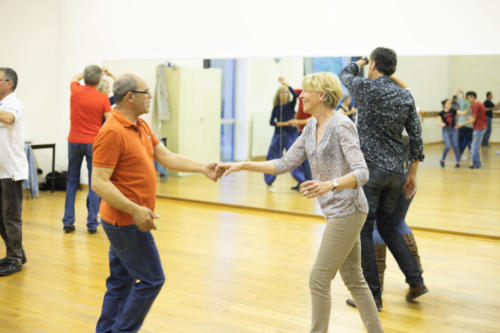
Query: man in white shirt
{"type": "Point", "coordinates": [13, 170]}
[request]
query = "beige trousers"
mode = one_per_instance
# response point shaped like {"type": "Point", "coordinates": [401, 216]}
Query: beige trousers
{"type": "Point", "coordinates": [340, 250]}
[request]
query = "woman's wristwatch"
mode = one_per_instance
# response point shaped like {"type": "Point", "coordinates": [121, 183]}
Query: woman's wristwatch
{"type": "Point", "coordinates": [335, 185]}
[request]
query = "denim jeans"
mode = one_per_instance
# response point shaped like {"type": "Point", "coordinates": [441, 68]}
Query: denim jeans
{"type": "Point", "coordinates": [76, 152]}
{"type": "Point", "coordinates": [477, 137]}
{"type": "Point", "coordinates": [400, 215]}
{"type": "Point", "coordinates": [11, 205]}
{"type": "Point", "coordinates": [287, 140]}
{"type": "Point", "coordinates": [382, 191]}
{"type": "Point", "coordinates": [464, 138]}
{"type": "Point", "coordinates": [450, 137]}
{"type": "Point", "coordinates": [135, 279]}
{"type": "Point", "coordinates": [486, 138]}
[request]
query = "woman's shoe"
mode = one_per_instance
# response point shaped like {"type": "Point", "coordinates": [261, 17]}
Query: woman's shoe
{"type": "Point", "coordinates": [441, 162]}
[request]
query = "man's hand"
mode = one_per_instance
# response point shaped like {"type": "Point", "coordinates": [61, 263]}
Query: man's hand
{"type": "Point", "coordinates": [143, 218]}
{"type": "Point", "coordinates": [410, 186]}
{"type": "Point", "coordinates": [362, 62]}
{"type": "Point", "coordinates": [227, 168]}
{"type": "Point", "coordinates": [313, 188]}
{"type": "Point", "coordinates": [210, 171]}
{"type": "Point", "coordinates": [456, 126]}
{"type": "Point", "coordinates": [107, 72]}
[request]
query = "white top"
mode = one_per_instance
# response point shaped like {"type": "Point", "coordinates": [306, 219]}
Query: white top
{"type": "Point", "coordinates": [13, 161]}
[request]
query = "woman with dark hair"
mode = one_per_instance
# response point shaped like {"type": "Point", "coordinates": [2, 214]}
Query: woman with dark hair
{"type": "Point", "coordinates": [447, 120]}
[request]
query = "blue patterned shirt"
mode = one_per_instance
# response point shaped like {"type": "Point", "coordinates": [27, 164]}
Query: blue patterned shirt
{"type": "Point", "coordinates": [384, 110]}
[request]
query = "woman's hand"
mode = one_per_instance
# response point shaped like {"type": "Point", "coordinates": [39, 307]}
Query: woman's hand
{"type": "Point", "coordinates": [313, 188]}
{"type": "Point", "coordinates": [227, 168]}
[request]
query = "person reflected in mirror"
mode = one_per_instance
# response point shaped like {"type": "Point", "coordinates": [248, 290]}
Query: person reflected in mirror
{"type": "Point", "coordinates": [446, 120]}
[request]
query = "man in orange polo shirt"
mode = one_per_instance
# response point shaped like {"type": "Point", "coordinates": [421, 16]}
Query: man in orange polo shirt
{"type": "Point", "coordinates": [88, 109]}
{"type": "Point", "coordinates": [124, 177]}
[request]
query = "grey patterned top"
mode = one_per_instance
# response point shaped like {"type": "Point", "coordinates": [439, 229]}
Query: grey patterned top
{"type": "Point", "coordinates": [337, 154]}
{"type": "Point", "coordinates": [384, 109]}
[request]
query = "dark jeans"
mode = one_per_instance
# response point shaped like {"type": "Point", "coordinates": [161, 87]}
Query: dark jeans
{"type": "Point", "coordinates": [11, 205]}
{"type": "Point", "coordinates": [487, 134]}
{"type": "Point", "coordinates": [382, 191]}
{"type": "Point", "coordinates": [400, 215]}
{"type": "Point", "coordinates": [76, 152]}
{"type": "Point", "coordinates": [133, 257]}
{"type": "Point", "coordinates": [464, 138]}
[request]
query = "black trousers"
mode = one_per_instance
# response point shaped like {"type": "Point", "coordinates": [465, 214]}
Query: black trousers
{"type": "Point", "coordinates": [11, 205]}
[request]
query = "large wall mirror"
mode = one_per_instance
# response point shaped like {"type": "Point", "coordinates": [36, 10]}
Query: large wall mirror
{"type": "Point", "coordinates": [219, 109]}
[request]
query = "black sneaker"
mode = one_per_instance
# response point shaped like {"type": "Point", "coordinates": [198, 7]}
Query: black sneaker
{"type": "Point", "coordinates": [296, 187]}
{"type": "Point", "coordinates": [441, 162]}
{"type": "Point", "coordinates": [92, 231]}
{"type": "Point", "coordinates": [4, 261]}
{"type": "Point", "coordinates": [68, 228]}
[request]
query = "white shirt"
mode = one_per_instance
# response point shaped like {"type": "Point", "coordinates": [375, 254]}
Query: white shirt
{"type": "Point", "coordinates": [13, 161]}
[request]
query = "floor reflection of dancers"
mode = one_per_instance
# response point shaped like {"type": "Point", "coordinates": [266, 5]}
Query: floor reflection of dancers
{"type": "Point", "coordinates": [284, 135]}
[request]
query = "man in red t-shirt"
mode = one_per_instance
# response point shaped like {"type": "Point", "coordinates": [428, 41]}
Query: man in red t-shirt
{"type": "Point", "coordinates": [88, 108]}
{"type": "Point", "coordinates": [479, 128]}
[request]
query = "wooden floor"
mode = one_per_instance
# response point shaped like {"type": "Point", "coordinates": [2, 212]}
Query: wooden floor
{"type": "Point", "coordinates": [236, 270]}
{"type": "Point", "coordinates": [460, 200]}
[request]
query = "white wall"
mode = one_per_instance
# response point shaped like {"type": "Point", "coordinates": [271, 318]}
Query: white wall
{"type": "Point", "coordinates": [31, 45]}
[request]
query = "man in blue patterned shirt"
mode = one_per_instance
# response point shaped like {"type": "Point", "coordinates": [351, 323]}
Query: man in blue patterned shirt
{"type": "Point", "coordinates": [384, 110]}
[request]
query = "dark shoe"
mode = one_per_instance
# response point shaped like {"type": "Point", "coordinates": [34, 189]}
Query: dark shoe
{"type": "Point", "coordinates": [351, 302]}
{"type": "Point", "coordinates": [413, 293]}
{"type": "Point", "coordinates": [471, 167]}
{"type": "Point", "coordinates": [441, 163]}
{"type": "Point", "coordinates": [68, 228]}
{"type": "Point", "coordinates": [9, 269]}
{"type": "Point", "coordinates": [92, 231]}
{"type": "Point", "coordinates": [457, 165]}
{"type": "Point", "coordinates": [4, 261]}
{"type": "Point", "coordinates": [296, 187]}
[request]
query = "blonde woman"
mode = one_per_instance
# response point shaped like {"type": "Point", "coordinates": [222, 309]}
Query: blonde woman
{"type": "Point", "coordinates": [331, 144]}
{"type": "Point", "coordinates": [284, 134]}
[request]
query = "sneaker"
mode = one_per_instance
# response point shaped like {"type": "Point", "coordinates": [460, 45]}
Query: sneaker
{"type": "Point", "coordinates": [296, 187]}
{"type": "Point", "coordinates": [92, 231]}
{"type": "Point", "coordinates": [68, 228]}
{"type": "Point", "coordinates": [441, 162]}
{"type": "Point", "coordinates": [457, 165]}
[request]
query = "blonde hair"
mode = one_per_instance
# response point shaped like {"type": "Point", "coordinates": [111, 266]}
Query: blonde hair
{"type": "Point", "coordinates": [277, 99]}
{"type": "Point", "coordinates": [325, 82]}
{"type": "Point", "coordinates": [103, 84]}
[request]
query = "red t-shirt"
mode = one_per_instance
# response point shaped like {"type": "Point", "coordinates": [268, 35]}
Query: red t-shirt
{"type": "Point", "coordinates": [300, 112]}
{"type": "Point", "coordinates": [479, 112]}
{"type": "Point", "coordinates": [87, 106]}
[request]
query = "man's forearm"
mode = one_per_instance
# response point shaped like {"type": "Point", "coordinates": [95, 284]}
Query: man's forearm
{"type": "Point", "coordinates": [180, 162]}
{"type": "Point", "coordinates": [108, 192]}
{"type": "Point", "coordinates": [7, 117]}
{"type": "Point", "coordinates": [412, 170]}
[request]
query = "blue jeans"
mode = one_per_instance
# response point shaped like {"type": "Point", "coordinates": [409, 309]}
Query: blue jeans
{"type": "Point", "coordinates": [450, 137]}
{"type": "Point", "coordinates": [477, 137]}
{"type": "Point", "coordinates": [486, 138]}
{"type": "Point", "coordinates": [274, 152]}
{"type": "Point", "coordinates": [382, 191]}
{"type": "Point", "coordinates": [133, 257]}
{"type": "Point", "coordinates": [76, 152]}
{"type": "Point", "coordinates": [464, 138]}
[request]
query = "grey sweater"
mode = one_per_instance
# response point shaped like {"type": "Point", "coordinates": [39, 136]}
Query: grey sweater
{"type": "Point", "coordinates": [337, 154]}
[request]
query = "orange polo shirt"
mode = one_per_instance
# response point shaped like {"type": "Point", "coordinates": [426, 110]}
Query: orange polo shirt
{"type": "Point", "coordinates": [129, 150]}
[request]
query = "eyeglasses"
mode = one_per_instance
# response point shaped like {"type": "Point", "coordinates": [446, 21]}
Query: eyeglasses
{"type": "Point", "coordinates": [147, 92]}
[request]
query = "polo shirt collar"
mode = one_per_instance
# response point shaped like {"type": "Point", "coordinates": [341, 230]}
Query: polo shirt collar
{"type": "Point", "coordinates": [121, 118]}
